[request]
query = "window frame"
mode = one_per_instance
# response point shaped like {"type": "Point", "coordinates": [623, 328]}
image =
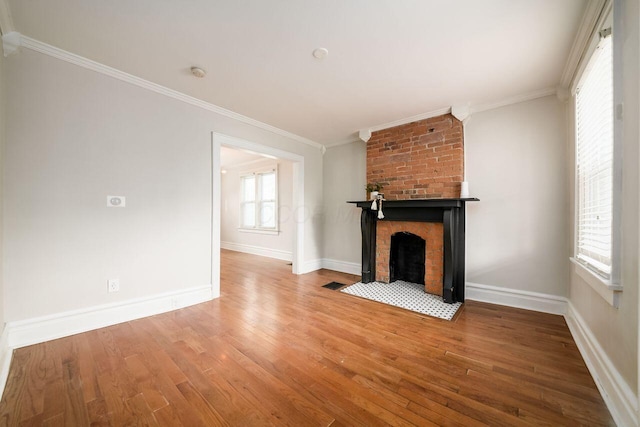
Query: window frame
{"type": "Point", "coordinates": [258, 201]}
{"type": "Point", "coordinates": [591, 182]}
{"type": "Point", "coordinates": [611, 287]}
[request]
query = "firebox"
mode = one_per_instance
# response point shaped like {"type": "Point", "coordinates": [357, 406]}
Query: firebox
{"type": "Point", "coordinates": [406, 259]}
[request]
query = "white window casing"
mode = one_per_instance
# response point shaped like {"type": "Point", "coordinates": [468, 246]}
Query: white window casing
{"type": "Point", "coordinates": [259, 200]}
{"type": "Point", "coordinates": [598, 161]}
{"type": "Point", "coordinates": [594, 161]}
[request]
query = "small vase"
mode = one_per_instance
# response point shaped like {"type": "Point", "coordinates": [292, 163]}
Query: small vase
{"type": "Point", "coordinates": [374, 194]}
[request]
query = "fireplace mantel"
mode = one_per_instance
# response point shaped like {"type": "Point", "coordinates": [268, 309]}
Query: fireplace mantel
{"type": "Point", "coordinates": [450, 212]}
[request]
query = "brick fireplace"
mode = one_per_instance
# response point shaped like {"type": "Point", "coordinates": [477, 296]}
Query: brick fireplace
{"type": "Point", "coordinates": [421, 166]}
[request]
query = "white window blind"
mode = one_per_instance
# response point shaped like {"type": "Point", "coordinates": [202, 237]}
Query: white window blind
{"type": "Point", "coordinates": [258, 205]}
{"type": "Point", "coordinates": [594, 160]}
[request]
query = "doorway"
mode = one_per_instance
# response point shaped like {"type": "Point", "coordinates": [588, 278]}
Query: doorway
{"type": "Point", "coordinates": [296, 214]}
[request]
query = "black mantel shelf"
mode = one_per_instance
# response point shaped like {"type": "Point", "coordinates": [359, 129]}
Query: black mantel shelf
{"type": "Point", "coordinates": [450, 212]}
{"type": "Point", "coordinates": [418, 203]}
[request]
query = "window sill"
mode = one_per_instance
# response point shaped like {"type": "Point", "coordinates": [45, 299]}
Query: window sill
{"type": "Point", "coordinates": [259, 231]}
{"type": "Point", "coordinates": [608, 291]}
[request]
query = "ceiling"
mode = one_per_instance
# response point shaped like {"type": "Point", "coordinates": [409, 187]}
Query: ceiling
{"type": "Point", "coordinates": [388, 59]}
{"type": "Point", "coordinates": [231, 157]}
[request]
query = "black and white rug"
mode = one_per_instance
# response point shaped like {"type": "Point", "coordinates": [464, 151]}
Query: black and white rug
{"type": "Point", "coordinates": [410, 296]}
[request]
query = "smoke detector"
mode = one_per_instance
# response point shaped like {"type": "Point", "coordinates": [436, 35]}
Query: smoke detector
{"type": "Point", "coordinates": [320, 53]}
{"type": "Point", "coordinates": [198, 72]}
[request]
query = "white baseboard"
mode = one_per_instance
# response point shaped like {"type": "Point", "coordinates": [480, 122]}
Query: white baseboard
{"type": "Point", "coordinates": [6, 354]}
{"type": "Point", "coordinates": [33, 331]}
{"type": "Point", "coordinates": [342, 266]}
{"type": "Point", "coordinates": [311, 265]}
{"type": "Point", "coordinates": [535, 301]}
{"type": "Point", "coordinates": [257, 250]}
{"type": "Point", "coordinates": [619, 397]}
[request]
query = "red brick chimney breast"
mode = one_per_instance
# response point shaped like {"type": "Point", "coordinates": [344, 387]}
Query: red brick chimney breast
{"type": "Point", "coordinates": [419, 160]}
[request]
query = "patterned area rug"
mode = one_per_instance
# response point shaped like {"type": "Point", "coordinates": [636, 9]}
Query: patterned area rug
{"type": "Point", "coordinates": [410, 296]}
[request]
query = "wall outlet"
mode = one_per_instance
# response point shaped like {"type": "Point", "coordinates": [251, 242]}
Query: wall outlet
{"type": "Point", "coordinates": [113, 285]}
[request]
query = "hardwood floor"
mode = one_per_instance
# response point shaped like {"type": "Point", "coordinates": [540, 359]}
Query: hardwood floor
{"type": "Point", "coordinates": [278, 349]}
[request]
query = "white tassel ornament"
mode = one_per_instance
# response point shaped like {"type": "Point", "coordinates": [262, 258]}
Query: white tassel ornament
{"type": "Point", "coordinates": [380, 214]}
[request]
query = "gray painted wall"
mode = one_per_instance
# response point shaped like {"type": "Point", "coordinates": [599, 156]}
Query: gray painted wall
{"type": "Point", "coordinates": [3, 128]}
{"type": "Point", "coordinates": [344, 176]}
{"type": "Point", "coordinates": [516, 165]}
{"type": "Point", "coordinates": [75, 136]}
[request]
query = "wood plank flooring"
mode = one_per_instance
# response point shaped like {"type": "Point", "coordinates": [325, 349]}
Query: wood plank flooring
{"type": "Point", "coordinates": [278, 349]}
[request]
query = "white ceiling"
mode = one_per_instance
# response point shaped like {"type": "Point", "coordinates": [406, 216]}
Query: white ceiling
{"type": "Point", "coordinates": [388, 59]}
{"type": "Point", "coordinates": [231, 157]}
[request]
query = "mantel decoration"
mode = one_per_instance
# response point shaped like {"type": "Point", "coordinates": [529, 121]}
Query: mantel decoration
{"type": "Point", "coordinates": [373, 190]}
{"type": "Point", "coordinates": [377, 206]}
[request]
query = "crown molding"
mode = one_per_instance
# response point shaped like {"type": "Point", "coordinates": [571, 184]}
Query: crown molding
{"type": "Point", "coordinates": [38, 46]}
{"type": "Point", "coordinates": [365, 134]}
{"type": "Point", "coordinates": [344, 142]}
{"type": "Point", "coordinates": [514, 100]}
{"type": "Point", "coordinates": [6, 21]}
{"type": "Point", "coordinates": [467, 109]}
{"type": "Point", "coordinates": [11, 43]}
{"type": "Point", "coordinates": [587, 26]}
{"type": "Point", "coordinates": [461, 112]}
{"type": "Point", "coordinates": [411, 119]}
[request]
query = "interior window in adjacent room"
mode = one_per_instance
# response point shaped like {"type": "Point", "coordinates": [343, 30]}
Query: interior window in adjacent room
{"type": "Point", "coordinates": [259, 200]}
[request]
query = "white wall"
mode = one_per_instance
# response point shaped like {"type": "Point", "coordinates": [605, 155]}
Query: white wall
{"type": "Point", "coordinates": [616, 330]}
{"type": "Point", "coordinates": [2, 143]}
{"type": "Point", "coordinates": [230, 215]}
{"type": "Point", "coordinates": [75, 136]}
{"type": "Point", "coordinates": [344, 178]}
{"type": "Point", "coordinates": [516, 162]}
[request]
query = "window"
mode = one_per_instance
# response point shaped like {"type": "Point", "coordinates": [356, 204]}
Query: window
{"type": "Point", "coordinates": [258, 202]}
{"type": "Point", "coordinates": [595, 161]}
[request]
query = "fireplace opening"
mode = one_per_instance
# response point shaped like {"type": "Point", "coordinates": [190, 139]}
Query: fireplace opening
{"type": "Point", "coordinates": [407, 258]}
